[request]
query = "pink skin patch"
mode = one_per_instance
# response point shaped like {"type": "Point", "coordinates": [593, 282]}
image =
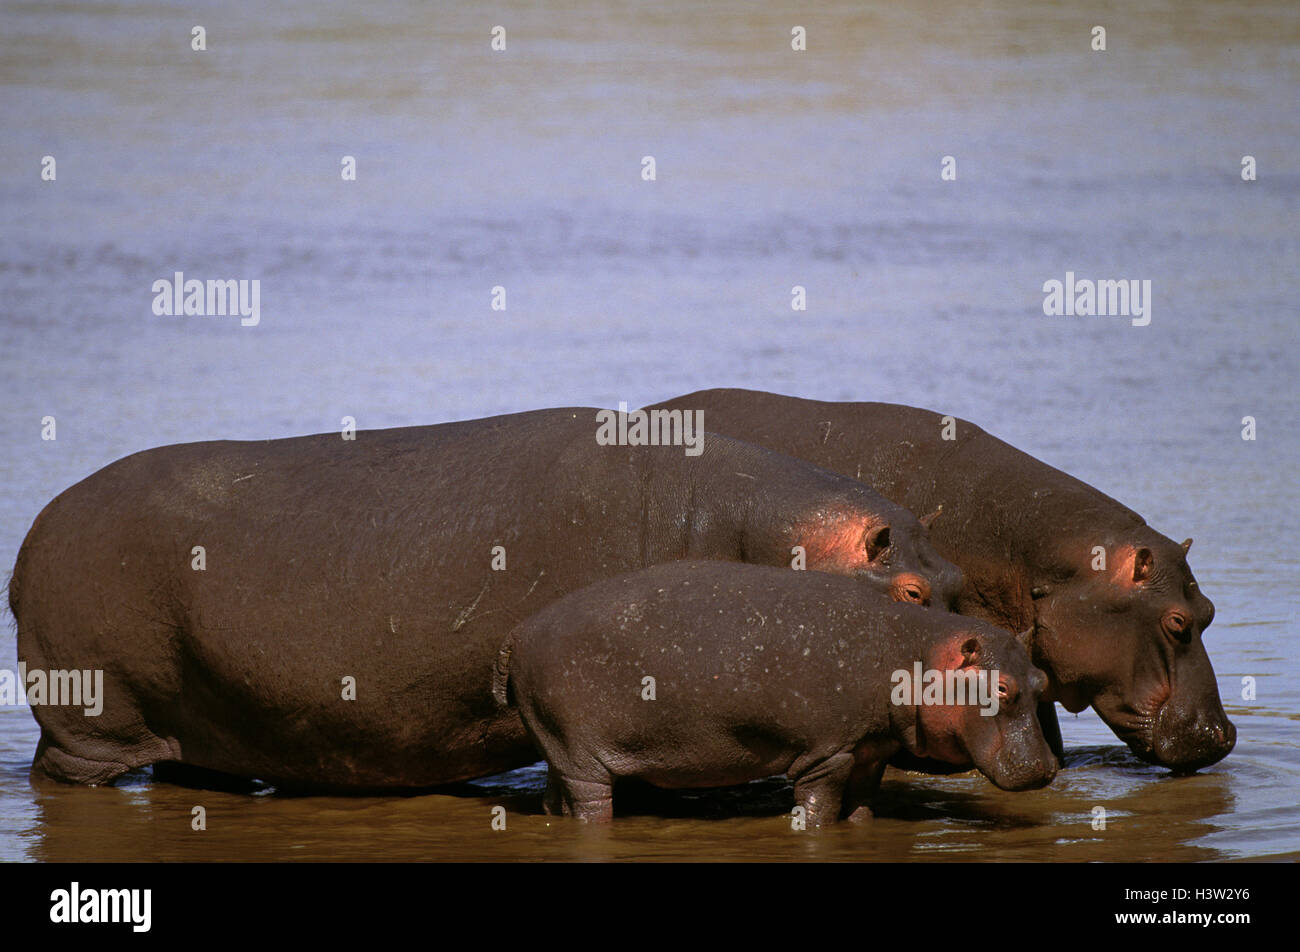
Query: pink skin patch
{"type": "Point", "coordinates": [839, 544]}
{"type": "Point", "coordinates": [943, 724]}
{"type": "Point", "coordinates": [1123, 565]}
{"type": "Point", "coordinates": [836, 542]}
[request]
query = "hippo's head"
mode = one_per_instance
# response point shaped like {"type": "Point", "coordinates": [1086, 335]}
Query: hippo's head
{"type": "Point", "coordinates": [1143, 665]}
{"type": "Point", "coordinates": [890, 550]}
{"type": "Point", "coordinates": [997, 729]}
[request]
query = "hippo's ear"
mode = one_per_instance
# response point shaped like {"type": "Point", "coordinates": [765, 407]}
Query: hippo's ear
{"type": "Point", "coordinates": [927, 520]}
{"type": "Point", "coordinates": [970, 650]}
{"type": "Point", "coordinates": [1187, 544]}
{"type": "Point", "coordinates": [1143, 562]}
{"type": "Point", "coordinates": [1026, 637]}
{"type": "Point", "coordinates": [876, 541]}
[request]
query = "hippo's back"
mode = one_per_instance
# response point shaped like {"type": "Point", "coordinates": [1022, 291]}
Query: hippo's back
{"type": "Point", "coordinates": [916, 457]}
{"type": "Point", "coordinates": [748, 637]}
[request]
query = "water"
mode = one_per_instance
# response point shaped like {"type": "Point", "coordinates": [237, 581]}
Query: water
{"type": "Point", "coordinates": [821, 169]}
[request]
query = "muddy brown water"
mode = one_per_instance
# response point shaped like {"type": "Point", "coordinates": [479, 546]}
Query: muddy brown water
{"type": "Point", "coordinates": [918, 818]}
{"type": "Point", "coordinates": [776, 169]}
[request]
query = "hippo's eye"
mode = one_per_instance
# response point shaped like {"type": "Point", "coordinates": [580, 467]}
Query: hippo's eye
{"type": "Point", "coordinates": [908, 587]}
{"type": "Point", "coordinates": [1176, 626]}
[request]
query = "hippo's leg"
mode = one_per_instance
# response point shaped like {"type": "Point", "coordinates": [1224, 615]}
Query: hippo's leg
{"type": "Point", "coordinates": [1051, 730]}
{"type": "Point", "coordinates": [54, 763]}
{"type": "Point", "coordinates": [864, 781]}
{"type": "Point", "coordinates": [77, 746]}
{"type": "Point", "coordinates": [583, 789]}
{"type": "Point", "coordinates": [553, 800]}
{"type": "Point", "coordinates": [819, 788]}
{"type": "Point", "coordinates": [588, 800]}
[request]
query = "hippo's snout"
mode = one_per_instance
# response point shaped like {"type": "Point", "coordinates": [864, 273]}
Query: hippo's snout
{"type": "Point", "coordinates": [1034, 779]}
{"type": "Point", "coordinates": [1024, 760]}
{"type": "Point", "coordinates": [1188, 743]}
{"type": "Point", "coordinates": [1032, 774]}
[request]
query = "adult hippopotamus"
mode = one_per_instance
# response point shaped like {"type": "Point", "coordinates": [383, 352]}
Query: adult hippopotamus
{"type": "Point", "coordinates": [708, 674]}
{"type": "Point", "coordinates": [326, 612]}
{"type": "Point", "coordinates": [1126, 638]}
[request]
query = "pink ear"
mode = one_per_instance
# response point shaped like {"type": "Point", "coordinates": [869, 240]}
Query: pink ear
{"type": "Point", "coordinates": [926, 520]}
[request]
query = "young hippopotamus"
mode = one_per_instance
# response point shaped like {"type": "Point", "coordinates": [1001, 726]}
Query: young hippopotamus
{"type": "Point", "coordinates": [707, 674]}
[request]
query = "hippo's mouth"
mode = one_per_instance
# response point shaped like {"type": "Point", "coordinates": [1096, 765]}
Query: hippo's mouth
{"type": "Point", "coordinates": [1136, 724]}
{"type": "Point", "coordinates": [1153, 742]}
{"type": "Point", "coordinates": [1142, 742]}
